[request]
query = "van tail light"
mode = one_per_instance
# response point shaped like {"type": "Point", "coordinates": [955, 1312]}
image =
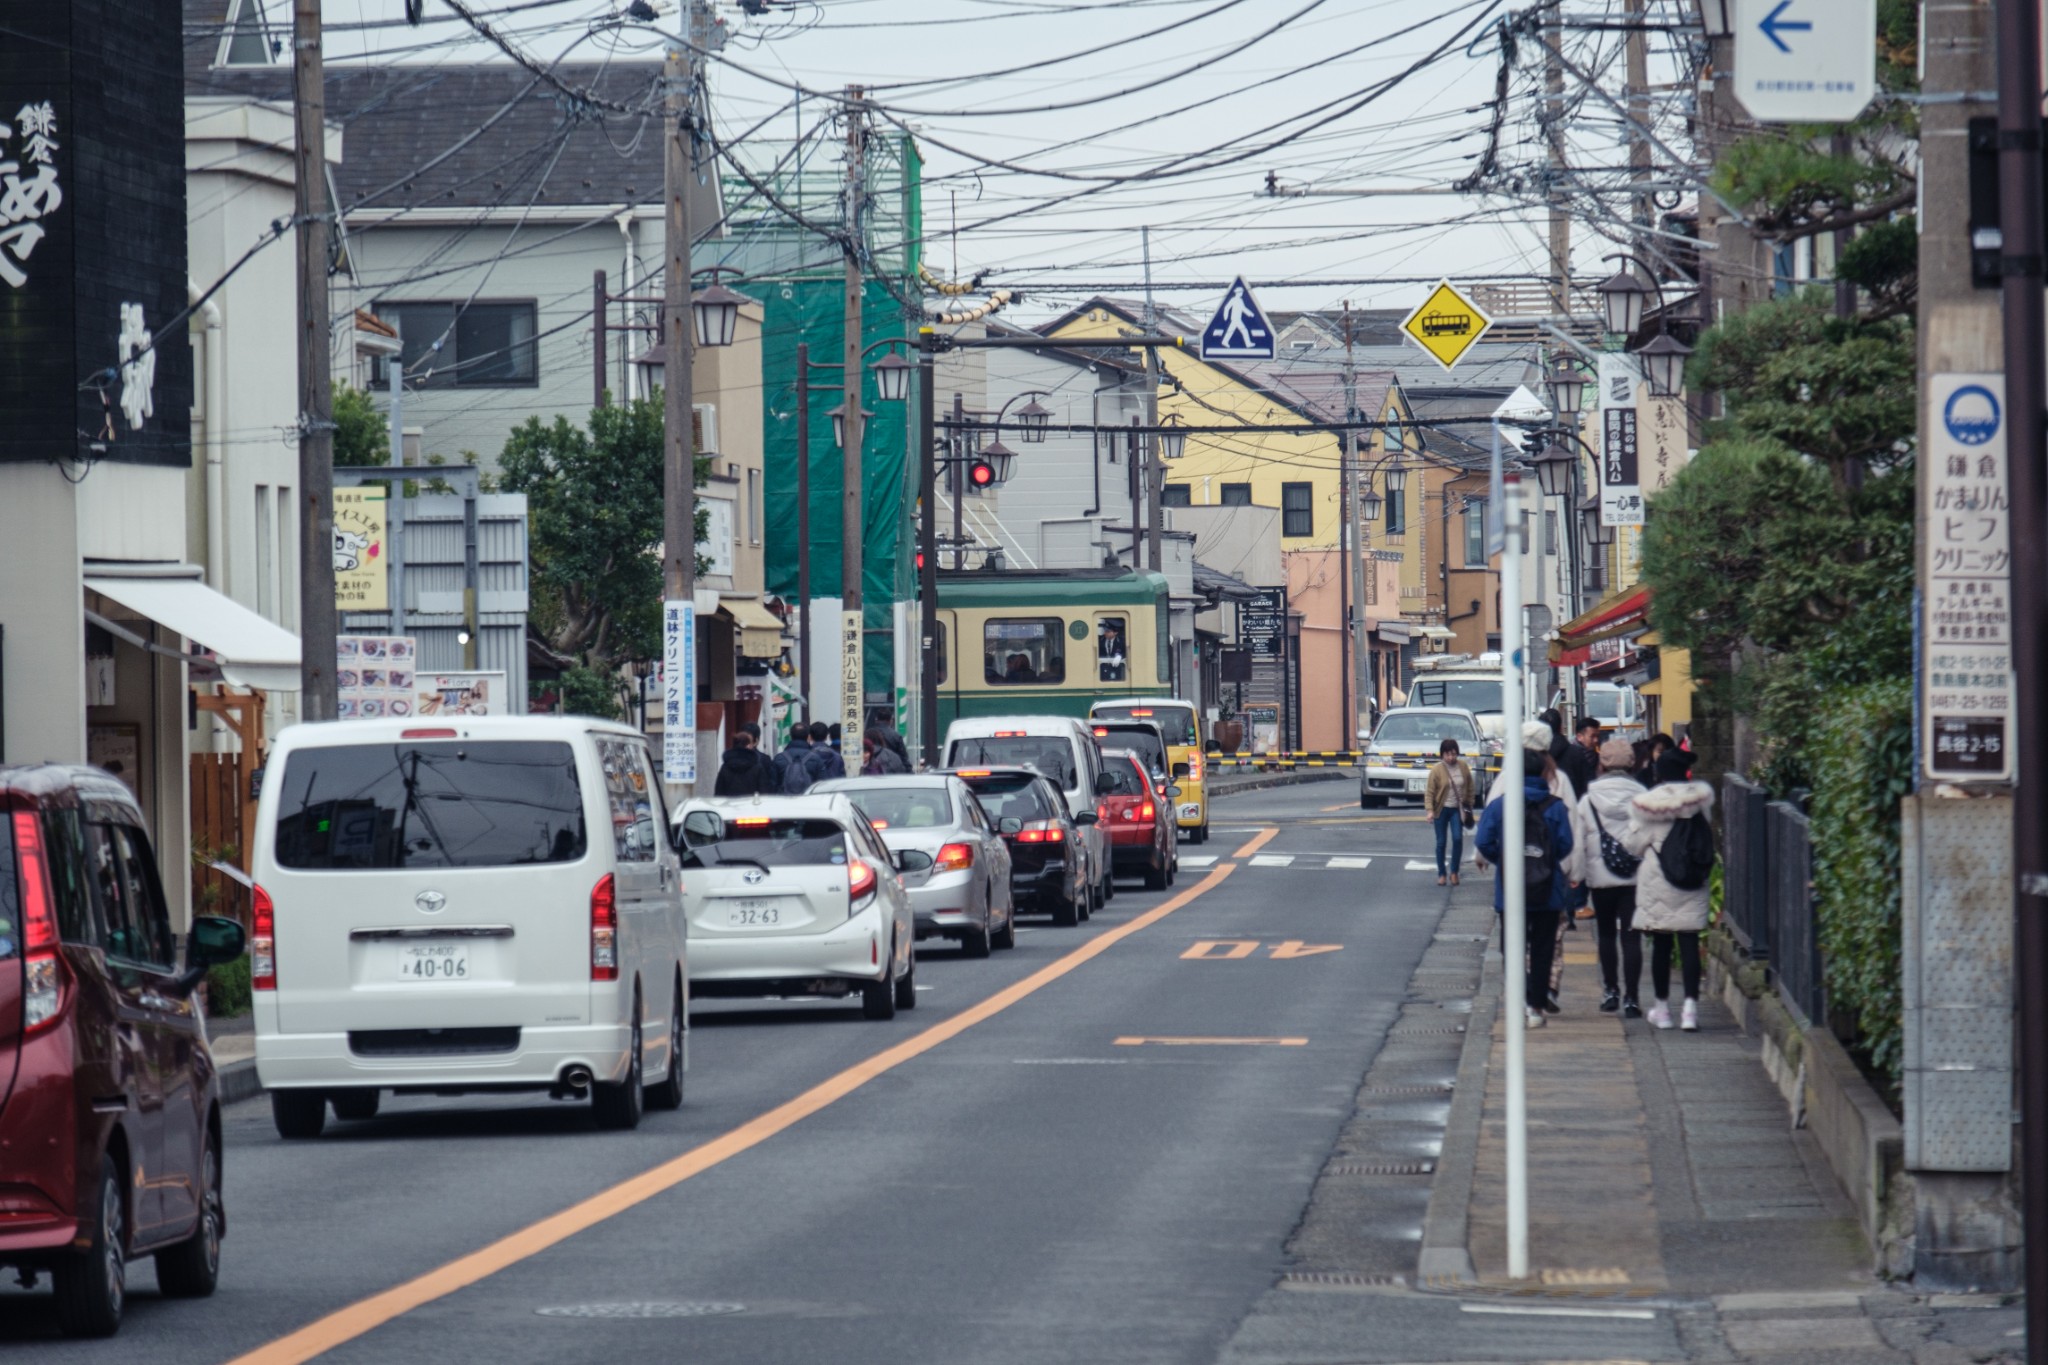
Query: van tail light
{"type": "Point", "coordinates": [954, 858]}
{"type": "Point", "coordinates": [262, 941]}
{"type": "Point", "coordinates": [1042, 832]}
{"type": "Point", "coordinates": [1194, 767]}
{"type": "Point", "coordinates": [860, 885]}
{"type": "Point", "coordinates": [45, 997]}
{"type": "Point", "coordinates": [604, 930]}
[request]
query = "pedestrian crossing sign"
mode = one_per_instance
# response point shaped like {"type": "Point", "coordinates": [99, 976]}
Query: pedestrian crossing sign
{"type": "Point", "coordinates": [1446, 324]}
{"type": "Point", "coordinates": [1239, 331]}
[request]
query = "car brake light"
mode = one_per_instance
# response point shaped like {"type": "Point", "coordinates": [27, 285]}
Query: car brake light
{"type": "Point", "coordinates": [262, 941]}
{"type": "Point", "coordinates": [1102, 732]}
{"type": "Point", "coordinates": [1041, 832]}
{"type": "Point", "coordinates": [860, 884]}
{"type": "Point", "coordinates": [954, 858]}
{"type": "Point", "coordinates": [751, 821]}
{"type": "Point", "coordinates": [879, 824]}
{"type": "Point", "coordinates": [973, 772]}
{"type": "Point", "coordinates": [427, 734]}
{"type": "Point", "coordinates": [45, 996]}
{"type": "Point", "coordinates": [604, 930]}
{"type": "Point", "coordinates": [1140, 712]}
{"type": "Point", "coordinates": [1147, 811]}
{"type": "Point", "coordinates": [1011, 734]}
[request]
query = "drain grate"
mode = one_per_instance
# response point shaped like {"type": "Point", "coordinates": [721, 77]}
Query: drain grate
{"type": "Point", "coordinates": [1418, 1031]}
{"type": "Point", "coordinates": [641, 1310]}
{"type": "Point", "coordinates": [1342, 1279]}
{"type": "Point", "coordinates": [1430, 1090]}
{"type": "Point", "coordinates": [1381, 1168]}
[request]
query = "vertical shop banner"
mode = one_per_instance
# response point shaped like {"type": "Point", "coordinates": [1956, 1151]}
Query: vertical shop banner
{"type": "Point", "coordinates": [1621, 489]}
{"type": "Point", "coordinates": [1966, 680]}
{"type": "Point", "coordinates": [852, 687]}
{"type": "Point", "coordinates": [1666, 436]}
{"type": "Point", "coordinates": [679, 691]}
{"type": "Point", "coordinates": [361, 550]}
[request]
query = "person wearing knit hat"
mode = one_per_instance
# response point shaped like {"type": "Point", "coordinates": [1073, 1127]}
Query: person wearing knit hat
{"type": "Point", "coordinates": [1599, 863]}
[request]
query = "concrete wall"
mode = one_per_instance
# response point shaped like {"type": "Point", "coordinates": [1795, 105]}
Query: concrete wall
{"type": "Point", "coordinates": [729, 378]}
{"type": "Point", "coordinates": [42, 651]}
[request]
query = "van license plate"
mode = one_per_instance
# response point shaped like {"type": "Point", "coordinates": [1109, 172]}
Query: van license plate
{"type": "Point", "coordinates": [752, 914]}
{"type": "Point", "coordinates": [433, 962]}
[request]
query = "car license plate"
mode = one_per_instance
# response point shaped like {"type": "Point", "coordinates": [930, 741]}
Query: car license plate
{"type": "Point", "coordinates": [433, 962]}
{"type": "Point", "coordinates": [1415, 784]}
{"type": "Point", "coordinates": [752, 914]}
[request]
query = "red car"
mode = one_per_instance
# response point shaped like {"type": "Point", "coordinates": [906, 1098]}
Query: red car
{"type": "Point", "coordinates": [109, 1107]}
{"type": "Point", "coordinates": [1137, 819]}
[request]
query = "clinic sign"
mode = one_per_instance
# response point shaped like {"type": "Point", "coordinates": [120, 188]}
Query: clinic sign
{"type": "Point", "coordinates": [679, 691]}
{"type": "Point", "coordinates": [1966, 678]}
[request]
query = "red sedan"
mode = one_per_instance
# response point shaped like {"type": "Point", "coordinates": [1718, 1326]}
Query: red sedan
{"type": "Point", "coordinates": [1137, 820]}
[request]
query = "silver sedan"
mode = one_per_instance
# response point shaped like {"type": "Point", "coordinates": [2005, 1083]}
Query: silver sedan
{"type": "Point", "coordinates": [955, 864]}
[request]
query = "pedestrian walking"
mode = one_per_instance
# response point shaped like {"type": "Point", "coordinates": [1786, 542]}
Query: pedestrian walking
{"type": "Point", "coordinates": [744, 770]}
{"type": "Point", "coordinates": [1540, 863]}
{"type": "Point", "coordinates": [889, 738]}
{"type": "Point", "coordinates": [877, 758]}
{"type": "Point", "coordinates": [1668, 830]}
{"type": "Point", "coordinates": [1658, 746]}
{"type": "Point", "coordinates": [790, 777]}
{"type": "Point", "coordinates": [823, 760]}
{"type": "Point", "coordinates": [1447, 801]}
{"type": "Point", "coordinates": [1582, 758]}
{"type": "Point", "coordinates": [1603, 865]}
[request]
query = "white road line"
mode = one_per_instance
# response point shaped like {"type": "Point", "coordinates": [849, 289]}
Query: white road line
{"type": "Point", "coordinates": [1533, 1311]}
{"type": "Point", "coordinates": [1352, 863]}
{"type": "Point", "coordinates": [1197, 859]}
{"type": "Point", "coordinates": [1272, 859]}
{"type": "Point", "coordinates": [1417, 865]}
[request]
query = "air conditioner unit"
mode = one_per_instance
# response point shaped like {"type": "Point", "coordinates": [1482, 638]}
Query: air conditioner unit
{"type": "Point", "coordinates": [704, 427]}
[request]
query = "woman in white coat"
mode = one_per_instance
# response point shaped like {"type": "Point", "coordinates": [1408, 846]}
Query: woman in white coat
{"type": "Point", "coordinates": [1606, 808]}
{"type": "Point", "coordinates": [1664, 912]}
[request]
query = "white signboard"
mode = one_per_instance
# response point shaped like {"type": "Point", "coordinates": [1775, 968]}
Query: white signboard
{"type": "Point", "coordinates": [461, 694]}
{"type": "Point", "coordinates": [1621, 480]}
{"type": "Point", "coordinates": [1805, 61]}
{"type": "Point", "coordinates": [679, 701]}
{"type": "Point", "coordinates": [1966, 681]}
{"type": "Point", "coordinates": [852, 684]}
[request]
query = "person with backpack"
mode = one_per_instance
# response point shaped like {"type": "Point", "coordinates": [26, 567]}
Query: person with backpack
{"type": "Point", "coordinates": [1540, 863]}
{"type": "Point", "coordinates": [821, 760]}
{"type": "Point", "coordinates": [744, 770]}
{"type": "Point", "coordinates": [1671, 831]}
{"type": "Point", "coordinates": [1602, 864]}
{"type": "Point", "coordinates": [878, 759]}
{"type": "Point", "coordinates": [791, 760]}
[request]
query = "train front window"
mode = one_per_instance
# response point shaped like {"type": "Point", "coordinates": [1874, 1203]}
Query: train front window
{"type": "Point", "coordinates": [1024, 651]}
{"type": "Point", "coordinates": [1112, 649]}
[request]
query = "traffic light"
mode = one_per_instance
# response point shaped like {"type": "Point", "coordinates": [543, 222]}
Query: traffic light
{"type": "Point", "coordinates": [981, 474]}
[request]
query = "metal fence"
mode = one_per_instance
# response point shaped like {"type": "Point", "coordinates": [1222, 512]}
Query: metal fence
{"type": "Point", "coordinates": [1767, 891]}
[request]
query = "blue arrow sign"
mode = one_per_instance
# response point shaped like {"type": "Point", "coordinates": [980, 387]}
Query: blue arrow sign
{"type": "Point", "coordinates": [1772, 25]}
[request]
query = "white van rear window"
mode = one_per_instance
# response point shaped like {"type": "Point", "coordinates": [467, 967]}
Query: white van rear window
{"type": "Point", "coordinates": [1050, 754]}
{"type": "Point", "coordinates": [435, 803]}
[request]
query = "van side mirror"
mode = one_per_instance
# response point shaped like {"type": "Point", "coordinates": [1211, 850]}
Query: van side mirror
{"type": "Point", "coordinates": [1086, 817]}
{"type": "Point", "coordinates": [1172, 791]}
{"type": "Point", "coordinates": [1010, 824]}
{"type": "Point", "coordinates": [214, 941]}
{"type": "Point", "coordinates": [1180, 770]}
{"type": "Point", "coordinates": [912, 860]}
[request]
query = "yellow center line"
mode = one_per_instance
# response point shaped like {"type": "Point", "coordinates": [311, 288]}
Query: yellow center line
{"type": "Point", "coordinates": [359, 1318]}
{"type": "Point", "coordinates": [1257, 842]}
{"type": "Point", "coordinates": [1341, 805]}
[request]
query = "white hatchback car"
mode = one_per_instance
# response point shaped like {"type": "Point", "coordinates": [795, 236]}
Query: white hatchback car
{"type": "Point", "coordinates": [483, 903]}
{"type": "Point", "coordinates": [795, 896]}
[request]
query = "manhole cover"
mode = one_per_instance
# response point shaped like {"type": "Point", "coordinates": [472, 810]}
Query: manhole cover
{"type": "Point", "coordinates": [641, 1310]}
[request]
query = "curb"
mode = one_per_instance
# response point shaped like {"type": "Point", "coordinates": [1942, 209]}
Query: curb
{"type": "Point", "coordinates": [238, 1081]}
{"type": "Point", "coordinates": [1446, 1257]}
{"type": "Point", "coordinates": [1282, 780]}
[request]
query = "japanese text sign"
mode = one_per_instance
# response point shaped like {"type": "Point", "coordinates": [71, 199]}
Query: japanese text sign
{"type": "Point", "coordinates": [679, 691]}
{"type": "Point", "coordinates": [1966, 681]}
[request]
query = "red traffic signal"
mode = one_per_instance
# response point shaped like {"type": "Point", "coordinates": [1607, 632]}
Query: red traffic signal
{"type": "Point", "coordinates": [981, 474]}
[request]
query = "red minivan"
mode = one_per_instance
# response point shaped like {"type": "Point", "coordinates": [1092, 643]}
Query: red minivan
{"type": "Point", "coordinates": [1137, 817]}
{"type": "Point", "coordinates": [110, 1140]}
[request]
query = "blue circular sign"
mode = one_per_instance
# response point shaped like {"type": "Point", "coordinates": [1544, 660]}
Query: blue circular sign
{"type": "Point", "coordinates": [1971, 415]}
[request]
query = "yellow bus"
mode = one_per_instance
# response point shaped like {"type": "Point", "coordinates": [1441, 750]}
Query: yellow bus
{"type": "Point", "coordinates": [1181, 725]}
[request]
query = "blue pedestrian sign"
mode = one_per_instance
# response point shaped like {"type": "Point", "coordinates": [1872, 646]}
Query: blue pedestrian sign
{"type": "Point", "coordinates": [1239, 331]}
{"type": "Point", "coordinates": [1805, 61]}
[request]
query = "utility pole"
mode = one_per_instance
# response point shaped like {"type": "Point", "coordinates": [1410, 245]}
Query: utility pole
{"type": "Point", "coordinates": [803, 523]}
{"type": "Point", "coordinates": [599, 301]}
{"type": "Point", "coordinates": [2026, 400]}
{"type": "Point", "coordinates": [1636, 55]}
{"type": "Point", "coordinates": [1353, 497]}
{"type": "Point", "coordinates": [679, 445]}
{"type": "Point", "coordinates": [319, 619]}
{"type": "Point", "coordinates": [853, 657]}
{"type": "Point", "coordinates": [1553, 136]}
{"type": "Point", "coordinates": [1154, 471]}
{"type": "Point", "coordinates": [928, 544]}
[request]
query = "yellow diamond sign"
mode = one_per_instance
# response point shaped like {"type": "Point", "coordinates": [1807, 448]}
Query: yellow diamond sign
{"type": "Point", "coordinates": [1446, 324]}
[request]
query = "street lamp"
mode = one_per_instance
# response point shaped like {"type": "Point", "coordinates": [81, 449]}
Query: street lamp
{"type": "Point", "coordinates": [1034, 416]}
{"type": "Point", "coordinates": [838, 416]}
{"type": "Point", "coordinates": [1173, 442]}
{"type": "Point", "coordinates": [892, 377]}
{"type": "Point", "coordinates": [1598, 532]}
{"type": "Point", "coordinates": [1397, 478]}
{"type": "Point", "coordinates": [1000, 460]}
{"type": "Point", "coordinates": [1369, 503]}
{"type": "Point", "coordinates": [1554, 467]}
{"type": "Point", "coordinates": [1567, 388]}
{"type": "Point", "coordinates": [1622, 296]}
{"type": "Point", "coordinates": [1663, 360]}
{"type": "Point", "coordinates": [716, 314]}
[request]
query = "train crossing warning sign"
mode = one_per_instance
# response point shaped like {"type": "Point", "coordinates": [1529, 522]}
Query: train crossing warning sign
{"type": "Point", "coordinates": [1446, 324]}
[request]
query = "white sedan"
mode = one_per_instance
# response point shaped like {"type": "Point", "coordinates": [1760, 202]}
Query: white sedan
{"type": "Point", "coordinates": [795, 896]}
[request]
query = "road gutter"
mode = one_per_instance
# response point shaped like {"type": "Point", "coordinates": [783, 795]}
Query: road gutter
{"type": "Point", "coordinates": [1446, 1257]}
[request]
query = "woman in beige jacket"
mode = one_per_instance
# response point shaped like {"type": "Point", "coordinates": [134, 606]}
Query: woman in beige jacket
{"type": "Point", "coordinates": [1446, 798]}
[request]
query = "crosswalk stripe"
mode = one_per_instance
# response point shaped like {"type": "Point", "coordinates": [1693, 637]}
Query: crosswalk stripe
{"type": "Point", "coordinates": [1272, 859]}
{"type": "Point", "coordinates": [1353, 863]}
{"type": "Point", "coordinates": [1414, 865]}
{"type": "Point", "coordinates": [1197, 859]}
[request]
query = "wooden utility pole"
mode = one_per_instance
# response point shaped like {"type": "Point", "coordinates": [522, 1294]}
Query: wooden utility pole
{"type": "Point", "coordinates": [1154, 467]}
{"type": "Point", "coordinates": [319, 619]}
{"type": "Point", "coordinates": [853, 654]}
{"type": "Point", "coordinates": [1637, 59]}
{"type": "Point", "coordinates": [679, 446]}
{"type": "Point", "coordinates": [1553, 137]}
{"type": "Point", "coordinates": [1352, 497]}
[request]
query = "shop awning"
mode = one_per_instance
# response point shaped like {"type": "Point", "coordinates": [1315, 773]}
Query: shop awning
{"type": "Point", "coordinates": [1436, 632]}
{"type": "Point", "coordinates": [1626, 612]}
{"type": "Point", "coordinates": [251, 650]}
{"type": "Point", "coordinates": [1393, 632]}
{"type": "Point", "coordinates": [760, 631]}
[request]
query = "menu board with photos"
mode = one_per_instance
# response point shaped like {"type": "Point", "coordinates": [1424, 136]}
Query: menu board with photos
{"type": "Point", "coordinates": [375, 676]}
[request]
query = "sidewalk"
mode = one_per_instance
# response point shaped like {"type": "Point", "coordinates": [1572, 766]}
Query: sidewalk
{"type": "Point", "coordinates": [1675, 1213]}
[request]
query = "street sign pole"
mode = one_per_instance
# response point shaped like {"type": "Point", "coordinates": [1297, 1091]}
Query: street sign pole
{"type": "Point", "coordinates": [1514, 906]}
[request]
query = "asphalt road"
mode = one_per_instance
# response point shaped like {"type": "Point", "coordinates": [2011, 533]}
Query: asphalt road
{"type": "Point", "coordinates": [1059, 1156]}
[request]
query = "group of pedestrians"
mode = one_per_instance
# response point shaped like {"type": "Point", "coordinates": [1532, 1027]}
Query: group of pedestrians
{"type": "Point", "coordinates": [812, 755]}
{"type": "Point", "coordinates": [1623, 826]}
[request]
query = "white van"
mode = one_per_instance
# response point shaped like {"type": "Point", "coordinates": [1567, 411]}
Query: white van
{"type": "Point", "coordinates": [1061, 747]}
{"type": "Point", "coordinates": [483, 903]}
